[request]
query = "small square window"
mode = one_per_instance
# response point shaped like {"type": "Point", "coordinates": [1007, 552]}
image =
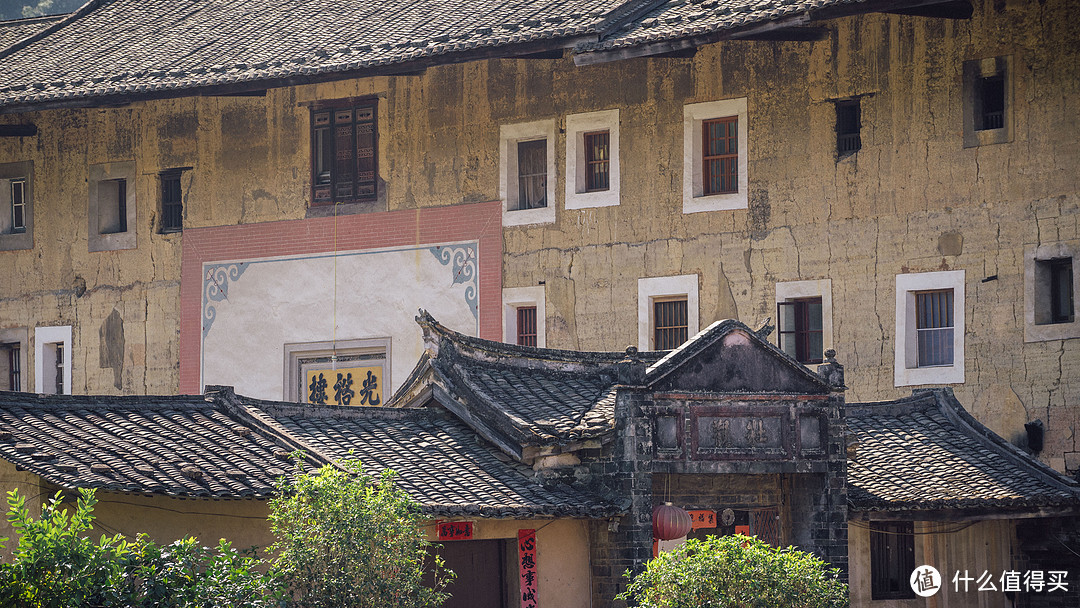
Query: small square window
{"type": "Point", "coordinates": [592, 159]}
{"type": "Point", "coordinates": [892, 560]}
{"type": "Point", "coordinates": [172, 202]}
{"type": "Point", "coordinates": [111, 208]}
{"type": "Point", "coordinates": [1054, 291]}
{"type": "Point", "coordinates": [1051, 291]}
{"type": "Point", "coordinates": [670, 323]}
{"type": "Point", "coordinates": [848, 126]}
{"type": "Point", "coordinates": [532, 174]}
{"type": "Point", "coordinates": [801, 332]}
{"type": "Point", "coordinates": [343, 152]}
{"type": "Point", "coordinates": [987, 101]}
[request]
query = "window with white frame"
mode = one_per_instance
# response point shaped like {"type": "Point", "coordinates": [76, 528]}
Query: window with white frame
{"type": "Point", "coordinates": [527, 172]}
{"type": "Point", "coordinates": [111, 208]}
{"type": "Point", "coordinates": [592, 159]}
{"type": "Point", "coordinates": [16, 206]}
{"type": "Point", "coordinates": [52, 360]}
{"type": "Point", "coordinates": [524, 316]}
{"type": "Point", "coordinates": [804, 319]}
{"type": "Point", "coordinates": [13, 343]}
{"type": "Point", "coordinates": [667, 311]}
{"type": "Point", "coordinates": [929, 328]}
{"type": "Point", "coordinates": [1051, 291]}
{"type": "Point", "coordinates": [715, 149]}
{"type": "Point", "coordinates": [345, 372]}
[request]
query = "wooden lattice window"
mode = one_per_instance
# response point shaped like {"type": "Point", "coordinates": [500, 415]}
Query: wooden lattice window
{"type": "Point", "coordinates": [721, 155]}
{"type": "Point", "coordinates": [670, 325]}
{"type": "Point", "coordinates": [934, 325]}
{"type": "Point", "coordinates": [892, 559]}
{"type": "Point", "coordinates": [597, 161]}
{"type": "Point", "coordinates": [343, 161]}
{"type": "Point", "coordinates": [18, 205]}
{"type": "Point", "coordinates": [526, 325]}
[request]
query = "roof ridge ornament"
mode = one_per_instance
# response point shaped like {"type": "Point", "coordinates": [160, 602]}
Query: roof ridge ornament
{"type": "Point", "coordinates": [832, 371]}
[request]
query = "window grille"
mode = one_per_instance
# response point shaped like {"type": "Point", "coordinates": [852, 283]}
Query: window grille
{"type": "Point", "coordinates": [18, 205]}
{"type": "Point", "coordinates": [848, 125]}
{"type": "Point", "coordinates": [669, 323]}
{"type": "Point", "coordinates": [992, 95]}
{"type": "Point", "coordinates": [172, 203]}
{"type": "Point", "coordinates": [721, 155]}
{"type": "Point", "coordinates": [526, 325]}
{"type": "Point", "coordinates": [532, 174]}
{"type": "Point", "coordinates": [597, 161]}
{"type": "Point", "coordinates": [892, 559]}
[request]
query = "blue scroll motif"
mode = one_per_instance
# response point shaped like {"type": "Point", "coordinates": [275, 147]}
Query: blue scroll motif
{"type": "Point", "coordinates": [216, 289]}
{"type": "Point", "coordinates": [462, 262]}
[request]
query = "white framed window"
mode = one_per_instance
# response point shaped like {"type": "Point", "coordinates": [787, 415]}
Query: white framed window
{"type": "Point", "coordinates": [52, 360]}
{"type": "Point", "coordinates": [345, 372]}
{"type": "Point", "coordinates": [1051, 291]}
{"type": "Point", "coordinates": [524, 315]}
{"type": "Point", "coordinates": [715, 152]}
{"type": "Point", "coordinates": [16, 206]}
{"type": "Point", "coordinates": [667, 311]}
{"type": "Point", "coordinates": [929, 328]}
{"type": "Point", "coordinates": [527, 172]}
{"type": "Point", "coordinates": [804, 319]}
{"type": "Point", "coordinates": [111, 207]}
{"type": "Point", "coordinates": [592, 159]}
{"type": "Point", "coordinates": [13, 347]}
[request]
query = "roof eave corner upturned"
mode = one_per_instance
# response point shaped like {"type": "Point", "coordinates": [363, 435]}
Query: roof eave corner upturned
{"type": "Point", "coordinates": [958, 415]}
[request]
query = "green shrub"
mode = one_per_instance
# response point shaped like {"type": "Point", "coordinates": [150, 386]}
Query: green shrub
{"type": "Point", "coordinates": [347, 540]}
{"type": "Point", "coordinates": [736, 572]}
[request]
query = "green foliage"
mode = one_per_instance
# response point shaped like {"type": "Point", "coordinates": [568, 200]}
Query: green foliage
{"type": "Point", "coordinates": [347, 540]}
{"type": "Point", "coordinates": [736, 572]}
{"type": "Point", "coordinates": [57, 565]}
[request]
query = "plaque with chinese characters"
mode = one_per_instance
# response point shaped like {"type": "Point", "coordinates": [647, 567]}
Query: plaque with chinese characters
{"type": "Point", "coordinates": [344, 386]}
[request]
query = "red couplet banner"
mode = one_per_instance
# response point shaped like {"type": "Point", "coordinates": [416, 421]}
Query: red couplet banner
{"type": "Point", "coordinates": [527, 561]}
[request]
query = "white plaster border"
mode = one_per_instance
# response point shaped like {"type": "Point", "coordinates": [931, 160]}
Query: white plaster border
{"type": "Point", "coordinates": [577, 125]}
{"type": "Point", "coordinates": [661, 287]}
{"type": "Point", "coordinates": [819, 288]}
{"type": "Point", "coordinates": [51, 335]}
{"type": "Point", "coordinates": [905, 372]}
{"type": "Point", "coordinates": [1034, 301]}
{"type": "Point", "coordinates": [516, 297]}
{"type": "Point", "coordinates": [509, 136]}
{"type": "Point", "coordinates": [693, 115]}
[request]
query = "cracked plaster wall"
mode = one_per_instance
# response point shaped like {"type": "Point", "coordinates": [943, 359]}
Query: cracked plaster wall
{"type": "Point", "coordinates": [912, 199]}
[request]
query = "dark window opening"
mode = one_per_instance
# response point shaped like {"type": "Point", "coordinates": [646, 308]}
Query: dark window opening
{"type": "Point", "coordinates": [670, 327]}
{"type": "Point", "coordinates": [720, 173]}
{"type": "Point", "coordinates": [597, 161]}
{"type": "Point", "coordinates": [1061, 290]}
{"type": "Point", "coordinates": [801, 329]}
{"type": "Point", "coordinates": [18, 205]}
{"type": "Point", "coordinates": [526, 325]}
{"type": "Point", "coordinates": [112, 206]}
{"type": "Point", "coordinates": [934, 325]}
{"type": "Point", "coordinates": [172, 202]}
{"type": "Point", "coordinates": [991, 101]}
{"type": "Point", "coordinates": [9, 357]}
{"type": "Point", "coordinates": [892, 560]}
{"type": "Point", "coordinates": [532, 174]}
{"type": "Point", "coordinates": [343, 163]}
{"type": "Point", "coordinates": [848, 125]}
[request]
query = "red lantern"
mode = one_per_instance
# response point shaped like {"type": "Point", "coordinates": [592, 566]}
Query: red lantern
{"type": "Point", "coordinates": [670, 522]}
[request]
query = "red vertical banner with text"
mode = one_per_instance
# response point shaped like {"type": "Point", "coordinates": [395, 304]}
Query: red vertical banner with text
{"type": "Point", "coordinates": [527, 561]}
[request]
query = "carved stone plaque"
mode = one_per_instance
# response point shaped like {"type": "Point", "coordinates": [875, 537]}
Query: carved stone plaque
{"type": "Point", "coordinates": [739, 434]}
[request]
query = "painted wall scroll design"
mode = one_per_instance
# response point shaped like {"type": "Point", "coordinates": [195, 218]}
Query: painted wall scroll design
{"type": "Point", "coordinates": [462, 261]}
{"type": "Point", "coordinates": [216, 279]}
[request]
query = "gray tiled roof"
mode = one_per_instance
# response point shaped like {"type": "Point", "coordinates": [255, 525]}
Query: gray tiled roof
{"type": "Point", "coordinates": [689, 18]}
{"type": "Point", "coordinates": [18, 29]}
{"type": "Point", "coordinates": [440, 461]}
{"type": "Point", "coordinates": [133, 46]}
{"type": "Point", "coordinates": [925, 453]}
{"type": "Point", "coordinates": [176, 446]}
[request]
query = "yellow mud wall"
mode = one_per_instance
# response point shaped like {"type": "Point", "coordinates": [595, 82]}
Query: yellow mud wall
{"type": "Point", "coordinates": [912, 199]}
{"type": "Point", "coordinates": [30, 487]}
